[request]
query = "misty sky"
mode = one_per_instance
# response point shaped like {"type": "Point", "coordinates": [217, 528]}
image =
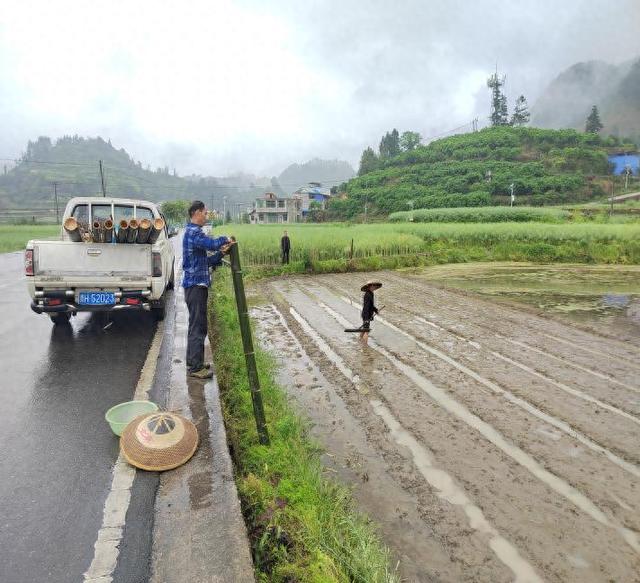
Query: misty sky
{"type": "Point", "coordinates": [213, 87]}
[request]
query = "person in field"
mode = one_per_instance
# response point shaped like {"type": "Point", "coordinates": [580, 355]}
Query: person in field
{"type": "Point", "coordinates": [285, 247]}
{"type": "Point", "coordinates": [369, 309]}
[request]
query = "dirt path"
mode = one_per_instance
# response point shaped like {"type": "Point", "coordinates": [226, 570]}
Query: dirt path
{"type": "Point", "coordinates": [488, 443]}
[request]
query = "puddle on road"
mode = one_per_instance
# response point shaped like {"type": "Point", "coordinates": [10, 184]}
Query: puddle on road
{"type": "Point", "coordinates": [605, 298]}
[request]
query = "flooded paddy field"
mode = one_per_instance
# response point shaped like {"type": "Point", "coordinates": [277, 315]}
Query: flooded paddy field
{"type": "Point", "coordinates": [489, 442]}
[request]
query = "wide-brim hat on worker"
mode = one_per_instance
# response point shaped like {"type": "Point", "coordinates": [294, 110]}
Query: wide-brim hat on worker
{"type": "Point", "coordinates": [159, 441]}
{"type": "Point", "coordinates": [375, 284]}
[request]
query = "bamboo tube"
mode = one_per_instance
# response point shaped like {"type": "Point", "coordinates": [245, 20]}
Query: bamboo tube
{"type": "Point", "coordinates": [108, 231]}
{"type": "Point", "coordinates": [97, 232]}
{"type": "Point", "coordinates": [123, 231]}
{"type": "Point", "coordinates": [144, 230]}
{"type": "Point", "coordinates": [73, 229]}
{"type": "Point", "coordinates": [133, 231]}
{"type": "Point", "coordinates": [158, 225]}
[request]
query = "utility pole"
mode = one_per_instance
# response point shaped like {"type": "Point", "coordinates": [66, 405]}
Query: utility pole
{"type": "Point", "coordinates": [55, 196]}
{"type": "Point", "coordinates": [612, 188]}
{"type": "Point", "coordinates": [224, 210]}
{"type": "Point", "coordinates": [104, 188]}
{"type": "Point", "coordinates": [365, 208]}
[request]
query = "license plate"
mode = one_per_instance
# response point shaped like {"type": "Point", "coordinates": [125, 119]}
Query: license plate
{"type": "Point", "coordinates": [96, 298]}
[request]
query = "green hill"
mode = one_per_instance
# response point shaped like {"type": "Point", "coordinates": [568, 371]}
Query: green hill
{"type": "Point", "coordinates": [72, 163]}
{"type": "Point", "coordinates": [477, 169]}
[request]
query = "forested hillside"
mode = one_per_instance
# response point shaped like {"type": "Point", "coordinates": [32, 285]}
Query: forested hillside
{"type": "Point", "coordinates": [477, 169]}
{"type": "Point", "coordinates": [72, 164]}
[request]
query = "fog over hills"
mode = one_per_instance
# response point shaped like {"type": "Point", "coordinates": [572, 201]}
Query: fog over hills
{"type": "Point", "coordinates": [615, 89]}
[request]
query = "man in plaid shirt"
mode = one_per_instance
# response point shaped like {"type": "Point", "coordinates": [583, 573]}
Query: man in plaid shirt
{"type": "Point", "coordinates": [196, 281]}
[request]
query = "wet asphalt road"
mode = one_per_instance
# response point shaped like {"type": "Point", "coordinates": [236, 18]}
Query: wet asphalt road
{"type": "Point", "coordinates": [57, 452]}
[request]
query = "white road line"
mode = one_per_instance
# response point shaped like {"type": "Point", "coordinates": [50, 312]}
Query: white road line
{"type": "Point", "coordinates": [448, 403]}
{"type": "Point", "coordinates": [444, 484]}
{"type": "Point", "coordinates": [107, 547]}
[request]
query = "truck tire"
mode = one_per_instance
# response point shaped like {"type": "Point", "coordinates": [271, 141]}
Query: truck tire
{"type": "Point", "coordinates": [60, 319]}
{"type": "Point", "coordinates": [171, 283]}
{"type": "Point", "coordinates": [159, 308]}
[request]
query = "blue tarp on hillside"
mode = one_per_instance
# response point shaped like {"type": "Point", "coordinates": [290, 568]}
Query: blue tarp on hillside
{"type": "Point", "coordinates": [622, 161]}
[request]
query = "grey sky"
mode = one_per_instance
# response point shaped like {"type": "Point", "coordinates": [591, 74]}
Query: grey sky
{"type": "Point", "coordinates": [217, 86]}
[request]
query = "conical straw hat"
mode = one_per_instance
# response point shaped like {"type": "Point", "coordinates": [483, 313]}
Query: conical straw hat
{"type": "Point", "coordinates": [159, 441]}
{"type": "Point", "coordinates": [375, 284]}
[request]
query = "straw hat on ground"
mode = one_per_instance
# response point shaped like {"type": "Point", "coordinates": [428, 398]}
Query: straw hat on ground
{"type": "Point", "coordinates": [375, 284]}
{"type": "Point", "coordinates": [159, 441]}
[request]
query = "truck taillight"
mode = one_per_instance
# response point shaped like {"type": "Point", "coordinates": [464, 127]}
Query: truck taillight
{"type": "Point", "coordinates": [156, 264]}
{"type": "Point", "coordinates": [28, 262]}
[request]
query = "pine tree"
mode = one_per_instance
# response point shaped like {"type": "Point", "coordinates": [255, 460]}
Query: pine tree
{"type": "Point", "coordinates": [499, 112]}
{"type": "Point", "coordinates": [390, 144]}
{"type": "Point", "coordinates": [368, 162]}
{"type": "Point", "coordinates": [594, 125]}
{"type": "Point", "coordinates": [521, 115]}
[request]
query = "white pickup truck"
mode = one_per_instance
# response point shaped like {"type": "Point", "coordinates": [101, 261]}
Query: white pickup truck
{"type": "Point", "coordinates": [83, 272]}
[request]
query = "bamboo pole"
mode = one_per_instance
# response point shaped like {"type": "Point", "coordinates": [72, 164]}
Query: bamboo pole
{"type": "Point", "coordinates": [123, 231]}
{"type": "Point", "coordinates": [108, 231]}
{"type": "Point", "coordinates": [144, 230]}
{"type": "Point", "coordinates": [132, 233]}
{"type": "Point", "coordinates": [71, 226]}
{"type": "Point", "coordinates": [247, 343]}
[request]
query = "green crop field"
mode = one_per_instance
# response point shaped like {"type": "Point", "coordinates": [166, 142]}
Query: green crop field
{"type": "Point", "coordinates": [15, 237]}
{"type": "Point", "coordinates": [328, 247]}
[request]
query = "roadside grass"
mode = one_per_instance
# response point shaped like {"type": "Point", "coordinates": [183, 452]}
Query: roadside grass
{"type": "Point", "coordinates": [302, 526]}
{"type": "Point", "coordinates": [321, 248]}
{"type": "Point", "coordinates": [15, 237]}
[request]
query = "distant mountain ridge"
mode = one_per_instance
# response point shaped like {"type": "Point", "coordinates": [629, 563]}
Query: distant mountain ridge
{"type": "Point", "coordinates": [71, 163]}
{"type": "Point", "coordinates": [614, 89]}
{"type": "Point", "coordinates": [328, 172]}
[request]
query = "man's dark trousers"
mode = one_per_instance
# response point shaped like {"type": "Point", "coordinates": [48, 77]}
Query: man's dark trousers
{"type": "Point", "coordinates": [196, 299]}
{"type": "Point", "coordinates": [285, 256]}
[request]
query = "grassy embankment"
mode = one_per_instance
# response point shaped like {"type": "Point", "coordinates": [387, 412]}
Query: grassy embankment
{"type": "Point", "coordinates": [15, 237]}
{"type": "Point", "coordinates": [302, 526]}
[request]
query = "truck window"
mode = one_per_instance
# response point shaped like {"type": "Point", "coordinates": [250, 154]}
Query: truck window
{"type": "Point", "coordinates": [122, 211]}
{"type": "Point", "coordinates": [101, 212]}
{"type": "Point", "coordinates": [81, 214]}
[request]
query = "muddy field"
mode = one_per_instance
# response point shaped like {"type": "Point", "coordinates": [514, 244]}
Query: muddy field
{"type": "Point", "coordinates": [489, 444]}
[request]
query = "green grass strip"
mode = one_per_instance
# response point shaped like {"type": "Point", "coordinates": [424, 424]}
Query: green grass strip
{"type": "Point", "coordinates": [302, 526]}
{"type": "Point", "coordinates": [15, 237]}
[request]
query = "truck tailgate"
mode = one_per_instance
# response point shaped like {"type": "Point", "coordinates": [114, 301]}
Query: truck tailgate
{"type": "Point", "coordinates": [91, 261]}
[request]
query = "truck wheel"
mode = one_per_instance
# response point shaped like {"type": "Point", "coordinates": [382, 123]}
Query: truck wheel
{"type": "Point", "coordinates": [171, 283]}
{"type": "Point", "coordinates": [60, 319]}
{"type": "Point", "coordinates": [159, 308]}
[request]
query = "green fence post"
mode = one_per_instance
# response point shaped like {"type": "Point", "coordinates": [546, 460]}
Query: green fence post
{"type": "Point", "coordinates": [247, 344]}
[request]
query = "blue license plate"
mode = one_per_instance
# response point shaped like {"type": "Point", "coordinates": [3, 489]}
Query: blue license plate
{"type": "Point", "coordinates": [96, 298]}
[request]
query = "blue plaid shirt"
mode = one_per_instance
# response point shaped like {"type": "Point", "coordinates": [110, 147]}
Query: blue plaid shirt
{"type": "Point", "coordinates": [195, 261]}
